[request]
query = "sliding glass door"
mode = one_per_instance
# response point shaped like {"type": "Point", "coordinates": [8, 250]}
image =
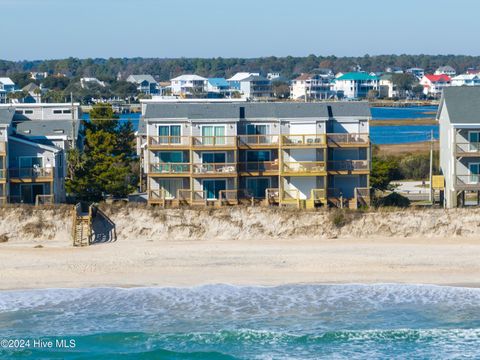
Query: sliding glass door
{"type": "Point", "coordinates": [212, 188]}
{"type": "Point", "coordinates": [213, 135]}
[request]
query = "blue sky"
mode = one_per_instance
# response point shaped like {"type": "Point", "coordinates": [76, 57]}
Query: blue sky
{"type": "Point", "coordinates": [49, 29]}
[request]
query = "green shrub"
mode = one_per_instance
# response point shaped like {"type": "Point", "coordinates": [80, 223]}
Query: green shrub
{"type": "Point", "coordinates": [392, 200]}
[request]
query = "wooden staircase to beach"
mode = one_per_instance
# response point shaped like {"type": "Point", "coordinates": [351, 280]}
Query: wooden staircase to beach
{"type": "Point", "coordinates": [82, 225]}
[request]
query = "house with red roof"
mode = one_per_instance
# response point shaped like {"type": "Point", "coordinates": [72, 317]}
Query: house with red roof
{"type": "Point", "coordinates": [433, 85]}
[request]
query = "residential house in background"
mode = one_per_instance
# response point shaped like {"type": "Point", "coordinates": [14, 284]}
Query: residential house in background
{"type": "Point", "coordinates": [34, 140]}
{"type": "Point", "coordinates": [387, 89]}
{"type": "Point", "coordinates": [85, 81]}
{"type": "Point", "coordinates": [7, 85]}
{"type": "Point", "coordinates": [273, 76]}
{"type": "Point", "coordinates": [446, 70]}
{"type": "Point", "coordinates": [3, 96]}
{"type": "Point", "coordinates": [417, 72]}
{"type": "Point", "coordinates": [234, 81]}
{"type": "Point", "coordinates": [459, 119]}
{"type": "Point", "coordinates": [312, 87]}
{"type": "Point", "coordinates": [256, 87]}
{"type": "Point", "coordinates": [394, 70]}
{"type": "Point", "coordinates": [356, 85]}
{"type": "Point", "coordinates": [226, 152]}
{"type": "Point", "coordinates": [146, 84]}
{"type": "Point", "coordinates": [34, 93]}
{"type": "Point", "coordinates": [466, 80]}
{"type": "Point", "coordinates": [218, 88]}
{"type": "Point", "coordinates": [433, 85]}
{"type": "Point", "coordinates": [188, 85]}
{"type": "Point", "coordinates": [38, 75]}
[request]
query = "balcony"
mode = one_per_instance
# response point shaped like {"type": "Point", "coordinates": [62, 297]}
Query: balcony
{"type": "Point", "coordinates": [304, 141]}
{"type": "Point", "coordinates": [349, 166]}
{"type": "Point", "coordinates": [467, 149]}
{"type": "Point", "coordinates": [44, 200]}
{"type": "Point", "coordinates": [258, 141]}
{"type": "Point", "coordinates": [348, 140]}
{"type": "Point", "coordinates": [37, 174]}
{"type": "Point", "coordinates": [215, 142]}
{"type": "Point", "coordinates": [3, 148]}
{"type": "Point", "coordinates": [468, 182]}
{"type": "Point", "coordinates": [307, 168]}
{"type": "Point", "coordinates": [259, 167]}
{"type": "Point", "coordinates": [214, 169]}
{"type": "Point", "coordinates": [168, 142]}
{"type": "Point", "coordinates": [170, 169]}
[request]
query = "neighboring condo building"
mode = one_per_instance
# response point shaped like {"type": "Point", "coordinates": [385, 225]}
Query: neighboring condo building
{"type": "Point", "coordinates": [433, 85]}
{"type": "Point", "coordinates": [312, 87]}
{"type": "Point", "coordinates": [356, 85]}
{"type": "Point", "coordinates": [34, 140]}
{"type": "Point", "coordinates": [303, 154]}
{"type": "Point", "coordinates": [459, 119]}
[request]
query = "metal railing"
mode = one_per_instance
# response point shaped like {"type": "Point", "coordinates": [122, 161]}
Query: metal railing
{"type": "Point", "coordinates": [169, 141]}
{"type": "Point", "coordinates": [348, 139]}
{"type": "Point", "coordinates": [258, 166]}
{"type": "Point", "coordinates": [258, 140]}
{"type": "Point", "coordinates": [304, 166]}
{"type": "Point", "coordinates": [304, 140]}
{"type": "Point", "coordinates": [215, 168]}
{"type": "Point", "coordinates": [349, 165]}
{"type": "Point", "coordinates": [43, 200]}
{"type": "Point", "coordinates": [170, 168]}
{"type": "Point", "coordinates": [215, 141]}
{"type": "Point", "coordinates": [31, 173]}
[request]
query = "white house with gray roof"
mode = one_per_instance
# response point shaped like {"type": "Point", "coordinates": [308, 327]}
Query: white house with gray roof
{"type": "Point", "coordinates": [34, 140]}
{"type": "Point", "coordinates": [223, 152]}
{"type": "Point", "coordinates": [459, 119]}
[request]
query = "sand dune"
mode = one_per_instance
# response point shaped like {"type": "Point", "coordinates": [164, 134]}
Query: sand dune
{"type": "Point", "coordinates": [242, 246]}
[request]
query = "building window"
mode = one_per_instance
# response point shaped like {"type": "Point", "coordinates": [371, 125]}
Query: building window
{"type": "Point", "coordinates": [169, 134]}
{"type": "Point", "coordinates": [57, 111]}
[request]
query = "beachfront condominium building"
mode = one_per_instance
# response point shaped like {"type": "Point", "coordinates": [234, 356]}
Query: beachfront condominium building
{"type": "Point", "coordinates": [459, 119]}
{"type": "Point", "coordinates": [276, 153]}
{"type": "Point", "coordinates": [356, 85]}
{"type": "Point", "coordinates": [312, 87]}
{"type": "Point", "coordinates": [34, 140]}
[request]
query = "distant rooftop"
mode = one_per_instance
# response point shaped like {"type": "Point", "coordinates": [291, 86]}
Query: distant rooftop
{"type": "Point", "coordinates": [189, 77]}
{"type": "Point", "coordinates": [357, 76]}
{"type": "Point", "coordinates": [141, 78]}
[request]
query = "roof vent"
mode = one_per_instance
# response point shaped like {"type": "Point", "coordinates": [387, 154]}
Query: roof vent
{"type": "Point", "coordinates": [58, 131]}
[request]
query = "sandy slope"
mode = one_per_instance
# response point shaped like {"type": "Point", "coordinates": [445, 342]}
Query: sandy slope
{"type": "Point", "coordinates": [242, 246]}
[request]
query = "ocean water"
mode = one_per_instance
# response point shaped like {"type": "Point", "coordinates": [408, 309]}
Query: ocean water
{"type": "Point", "coordinates": [226, 322]}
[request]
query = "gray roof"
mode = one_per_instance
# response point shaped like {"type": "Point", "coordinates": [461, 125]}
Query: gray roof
{"type": "Point", "coordinates": [6, 116]}
{"type": "Point", "coordinates": [142, 127]}
{"type": "Point", "coordinates": [31, 87]}
{"type": "Point", "coordinates": [278, 110]}
{"type": "Point", "coordinates": [34, 128]}
{"type": "Point", "coordinates": [141, 78]}
{"type": "Point", "coordinates": [255, 78]}
{"type": "Point", "coordinates": [463, 104]}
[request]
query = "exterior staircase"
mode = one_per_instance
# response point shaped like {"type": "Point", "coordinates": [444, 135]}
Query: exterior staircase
{"type": "Point", "coordinates": [82, 225]}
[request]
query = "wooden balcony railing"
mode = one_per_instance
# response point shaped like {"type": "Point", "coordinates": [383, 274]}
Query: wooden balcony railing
{"type": "Point", "coordinates": [3, 174]}
{"type": "Point", "coordinates": [272, 195]}
{"type": "Point", "coordinates": [191, 196]}
{"type": "Point", "coordinates": [362, 197]}
{"type": "Point", "coordinates": [349, 165]}
{"type": "Point", "coordinates": [157, 194]}
{"type": "Point", "coordinates": [258, 140]}
{"type": "Point", "coordinates": [31, 173]}
{"type": "Point", "coordinates": [214, 141]}
{"type": "Point", "coordinates": [471, 181]}
{"type": "Point", "coordinates": [3, 200]}
{"type": "Point", "coordinates": [304, 167]}
{"type": "Point", "coordinates": [171, 168]}
{"type": "Point", "coordinates": [258, 166]}
{"type": "Point", "coordinates": [3, 147]}
{"type": "Point", "coordinates": [304, 140]}
{"type": "Point", "coordinates": [348, 139]}
{"type": "Point", "coordinates": [169, 141]}
{"type": "Point", "coordinates": [290, 195]}
{"type": "Point", "coordinates": [215, 168]}
{"type": "Point", "coordinates": [44, 200]}
{"type": "Point", "coordinates": [318, 194]}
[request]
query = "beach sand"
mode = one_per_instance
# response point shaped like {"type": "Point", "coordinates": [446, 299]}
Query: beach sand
{"type": "Point", "coordinates": [128, 263]}
{"type": "Point", "coordinates": [241, 246]}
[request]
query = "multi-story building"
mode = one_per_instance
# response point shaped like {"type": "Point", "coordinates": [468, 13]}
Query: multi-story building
{"type": "Point", "coordinates": [234, 81]}
{"type": "Point", "coordinates": [146, 84]}
{"type": "Point", "coordinates": [459, 119]}
{"type": "Point", "coordinates": [312, 87]}
{"type": "Point", "coordinates": [466, 80]}
{"type": "Point", "coordinates": [356, 85]}
{"type": "Point", "coordinates": [278, 153]}
{"type": "Point", "coordinates": [34, 140]}
{"type": "Point", "coordinates": [417, 72]}
{"type": "Point", "coordinates": [188, 85]}
{"type": "Point", "coordinates": [433, 85]}
{"type": "Point", "coordinates": [256, 87]}
{"type": "Point", "coordinates": [3, 96]}
{"type": "Point", "coordinates": [446, 70]}
{"type": "Point", "coordinates": [7, 84]}
{"type": "Point", "coordinates": [218, 87]}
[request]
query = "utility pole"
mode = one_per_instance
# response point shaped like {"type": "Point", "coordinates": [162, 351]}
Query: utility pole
{"type": "Point", "coordinates": [431, 167]}
{"type": "Point", "coordinates": [73, 121]}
